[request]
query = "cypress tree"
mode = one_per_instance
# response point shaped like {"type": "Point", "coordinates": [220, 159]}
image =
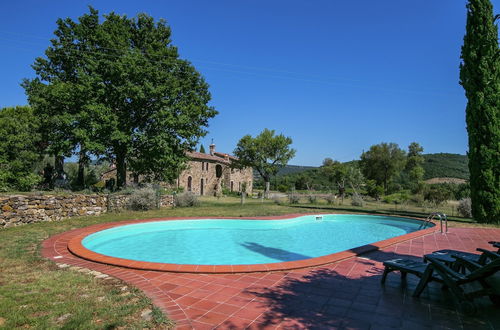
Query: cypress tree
{"type": "Point", "coordinates": [202, 149]}
{"type": "Point", "coordinates": [479, 76]}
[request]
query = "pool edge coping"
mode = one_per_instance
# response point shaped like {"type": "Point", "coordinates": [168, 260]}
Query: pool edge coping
{"type": "Point", "coordinates": [76, 247]}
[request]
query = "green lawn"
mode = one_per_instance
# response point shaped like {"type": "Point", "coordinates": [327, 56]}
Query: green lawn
{"type": "Point", "coordinates": [35, 292]}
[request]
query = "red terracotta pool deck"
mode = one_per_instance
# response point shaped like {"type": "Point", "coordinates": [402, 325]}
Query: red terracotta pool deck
{"type": "Point", "coordinates": [346, 294]}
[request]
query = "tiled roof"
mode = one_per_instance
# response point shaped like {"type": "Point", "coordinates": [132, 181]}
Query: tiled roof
{"type": "Point", "coordinates": [199, 155]}
{"type": "Point", "coordinates": [223, 155]}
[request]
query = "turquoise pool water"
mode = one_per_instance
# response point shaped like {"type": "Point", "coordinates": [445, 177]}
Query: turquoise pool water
{"type": "Point", "coordinates": [234, 242]}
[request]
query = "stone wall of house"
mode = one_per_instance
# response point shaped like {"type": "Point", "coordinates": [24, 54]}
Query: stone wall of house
{"type": "Point", "coordinates": [18, 210]}
{"type": "Point", "coordinates": [239, 177]}
{"type": "Point", "coordinates": [206, 171]}
{"type": "Point", "coordinates": [202, 169]}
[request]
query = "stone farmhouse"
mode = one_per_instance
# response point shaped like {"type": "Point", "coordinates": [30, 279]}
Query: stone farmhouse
{"type": "Point", "coordinates": [208, 174]}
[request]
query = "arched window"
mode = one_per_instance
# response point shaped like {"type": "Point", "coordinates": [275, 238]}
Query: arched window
{"type": "Point", "coordinates": [190, 183]}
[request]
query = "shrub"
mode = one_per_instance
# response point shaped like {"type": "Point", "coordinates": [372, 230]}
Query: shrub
{"type": "Point", "coordinates": [462, 191]}
{"type": "Point", "coordinates": [187, 199]}
{"type": "Point", "coordinates": [277, 200]}
{"type": "Point", "coordinates": [227, 192]}
{"type": "Point", "coordinates": [27, 182]}
{"type": "Point", "coordinates": [418, 199]}
{"type": "Point", "coordinates": [293, 198]}
{"type": "Point", "coordinates": [374, 190]}
{"type": "Point", "coordinates": [283, 187]}
{"type": "Point", "coordinates": [312, 198]}
{"type": "Point", "coordinates": [397, 198]}
{"type": "Point", "coordinates": [437, 194]}
{"type": "Point", "coordinates": [357, 200]}
{"type": "Point", "coordinates": [99, 186]}
{"type": "Point", "coordinates": [143, 199]}
{"type": "Point", "coordinates": [465, 207]}
{"type": "Point", "coordinates": [330, 198]}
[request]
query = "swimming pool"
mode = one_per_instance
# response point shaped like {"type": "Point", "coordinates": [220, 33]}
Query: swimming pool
{"type": "Point", "coordinates": [242, 242]}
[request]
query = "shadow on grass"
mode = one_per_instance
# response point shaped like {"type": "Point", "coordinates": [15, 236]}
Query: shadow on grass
{"type": "Point", "coordinates": [349, 295]}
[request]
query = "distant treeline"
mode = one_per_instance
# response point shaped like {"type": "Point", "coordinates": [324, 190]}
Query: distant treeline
{"type": "Point", "coordinates": [436, 166]}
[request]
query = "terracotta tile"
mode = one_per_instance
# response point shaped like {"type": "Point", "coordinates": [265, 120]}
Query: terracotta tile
{"type": "Point", "coordinates": [187, 301]}
{"type": "Point", "coordinates": [219, 297]}
{"type": "Point", "coordinates": [205, 304]}
{"type": "Point", "coordinates": [235, 323]}
{"type": "Point", "coordinates": [226, 309]}
{"type": "Point", "coordinates": [213, 318]}
{"type": "Point", "coordinates": [194, 313]}
{"type": "Point", "coordinates": [201, 326]}
{"type": "Point", "coordinates": [249, 313]}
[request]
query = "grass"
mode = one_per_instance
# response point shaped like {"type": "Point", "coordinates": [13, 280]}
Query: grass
{"type": "Point", "coordinates": [36, 293]}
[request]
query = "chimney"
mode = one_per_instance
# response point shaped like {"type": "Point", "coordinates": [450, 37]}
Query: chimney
{"type": "Point", "coordinates": [212, 149]}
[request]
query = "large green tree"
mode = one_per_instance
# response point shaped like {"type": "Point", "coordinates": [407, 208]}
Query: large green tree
{"type": "Point", "coordinates": [266, 153]}
{"type": "Point", "coordinates": [382, 163]}
{"type": "Point", "coordinates": [342, 175]}
{"type": "Point", "coordinates": [137, 102]}
{"type": "Point", "coordinates": [336, 173]}
{"type": "Point", "coordinates": [19, 144]}
{"type": "Point", "coordinates": [480, 78]}
{"type": "Point", "coordinates": [414, 170]}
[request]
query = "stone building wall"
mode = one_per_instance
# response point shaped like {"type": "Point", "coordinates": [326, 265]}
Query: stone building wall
{"type": "Point", "coordinates": [206, 170]}
{"type": "Point", "coordinates": [240, 176]}
{"type": "Point", "coordinates": [24, 209]}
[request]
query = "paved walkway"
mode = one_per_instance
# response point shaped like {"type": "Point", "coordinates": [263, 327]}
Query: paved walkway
{"type": "Point", "coordinates": [342, 295]}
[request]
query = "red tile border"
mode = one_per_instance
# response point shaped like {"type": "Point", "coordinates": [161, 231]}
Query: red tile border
{"type": "Point", "coordinates": [76, 247]}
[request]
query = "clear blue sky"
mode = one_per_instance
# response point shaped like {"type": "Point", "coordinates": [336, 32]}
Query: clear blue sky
{"type": "Point", "coordinates": [336, 76]}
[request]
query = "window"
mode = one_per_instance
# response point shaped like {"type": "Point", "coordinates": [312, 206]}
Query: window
{"type": "Point", "coordinates": [207, 166]}
{"type": "Point", "coordinates": [190, 182]}
{"type": "Point", "coordinates": [232, 186]}
{"type": "Point", "coordinates": [201, 187]}
{"type": "Point", "coordinates": [218, 171]}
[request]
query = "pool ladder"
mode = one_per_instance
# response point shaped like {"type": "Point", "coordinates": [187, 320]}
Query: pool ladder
{"type": "Point", "coordinates": [441, 217]}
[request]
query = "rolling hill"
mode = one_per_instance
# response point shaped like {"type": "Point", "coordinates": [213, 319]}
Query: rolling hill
{"type": "Point", "coordinates": [444, 165]}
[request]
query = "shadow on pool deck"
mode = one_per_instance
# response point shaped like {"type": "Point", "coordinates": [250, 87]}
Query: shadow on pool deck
{"type": "Point", "coordinates": [274, 253]}
{"type": "Point", "coordinates": [351, 296]}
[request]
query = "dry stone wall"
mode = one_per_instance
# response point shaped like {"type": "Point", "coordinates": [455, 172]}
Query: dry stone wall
{"type": "Point", "coordinates": [24, 209]}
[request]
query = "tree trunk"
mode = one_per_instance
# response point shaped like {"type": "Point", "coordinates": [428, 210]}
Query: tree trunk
{"type": "Point", "coordinates": [341, 192]}
{"type": "Point", "coordinates": [59, 167]}
{"type": "Point", "coordinates": [266, 192]}
{"type": "Point", "coordinates": [121, 170]}
{"type": "Point", "coordinates": [242, 200]}
{"type": "Point", "coordinates": [82, 161]}
{"type": "Point", "coordinates": [386, 182]}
